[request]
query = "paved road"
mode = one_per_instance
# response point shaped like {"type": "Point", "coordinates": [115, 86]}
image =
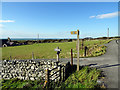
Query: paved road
{"type": "Point", "coordinates": [107, 62]}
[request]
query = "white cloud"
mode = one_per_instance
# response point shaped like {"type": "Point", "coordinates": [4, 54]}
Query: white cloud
{"type": "Point", "coordinates": [3, 21]}
{"type": "Point", "coordinates": [108, 15]}
{"type": "Point", "coordinates": [91, 16]}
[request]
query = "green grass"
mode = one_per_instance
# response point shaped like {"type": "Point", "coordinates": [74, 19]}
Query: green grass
{"type": "Point", "coordinates": [46, 50]}
{"type": "Point", "coordinates": [85, 78]}
{"type": "Point", "coordinates": [17, 83]}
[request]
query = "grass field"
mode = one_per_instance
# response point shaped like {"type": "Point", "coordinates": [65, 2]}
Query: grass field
{"type": "Point", "coordinates": [46, 50]}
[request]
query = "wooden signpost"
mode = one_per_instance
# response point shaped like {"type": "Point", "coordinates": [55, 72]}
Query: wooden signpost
{"type": "Point", "coordinates": [77, 32]}
{"type": "Point", "coordinates": [58, 52]}
{"type": "Point", "coordinates": [71, 58]}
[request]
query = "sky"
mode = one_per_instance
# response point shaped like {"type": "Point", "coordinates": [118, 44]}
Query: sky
{"type": "Point", "coordinates": [60, 0]}
{"type": "Point", "coordinates": [58, 19]}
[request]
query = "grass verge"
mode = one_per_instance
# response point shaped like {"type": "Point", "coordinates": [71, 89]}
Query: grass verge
{"type": "Point", "coordinates": [85, 78]}
{"type": "Point", "coordinates": [17, 83]}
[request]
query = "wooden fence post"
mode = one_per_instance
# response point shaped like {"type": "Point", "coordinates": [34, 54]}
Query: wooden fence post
{"type": "Point", "coordinates": [47, 77]}
{"type": "Point", "coordinates": [85, 51]}
{"type": "Point", "coordinates": [57, 57]}
{"type": "Point", "coordinates": [60, 73]}
{"type": "Point", "coordinates": [71, 58]}
{"type": "Point", "coordinates": [32, 55]}
{"type": "Point", "coordinates": [63, 76]}
{"type": "Point", "coordinates": [10, 57]}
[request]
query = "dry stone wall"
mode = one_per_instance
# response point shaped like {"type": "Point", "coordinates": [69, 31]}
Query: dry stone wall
{"type": "Point", "coordinates": [27, 69]}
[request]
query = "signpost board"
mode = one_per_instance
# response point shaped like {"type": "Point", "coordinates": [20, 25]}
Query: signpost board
{"type": "Point", "coordinates": [77, 32]}
{"type": "Point", "coordinates": [57, 49]}
{"type": "Point", "coordinates": [73, 32]}
{"type": "Point", "coordinates": [58, 52]}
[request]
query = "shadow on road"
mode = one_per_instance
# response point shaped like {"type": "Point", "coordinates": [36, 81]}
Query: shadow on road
{"type": "Point", "coordinates": [103, 66]}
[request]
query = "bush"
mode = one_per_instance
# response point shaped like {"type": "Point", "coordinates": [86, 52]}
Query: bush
{"type": "Point", "coordinates": [69, 40]}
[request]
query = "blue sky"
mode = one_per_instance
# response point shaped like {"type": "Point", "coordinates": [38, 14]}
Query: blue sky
{"type": "Point", "coordinates": [57, 19]}
{"type": "Point", "coordinates": [60, 0]}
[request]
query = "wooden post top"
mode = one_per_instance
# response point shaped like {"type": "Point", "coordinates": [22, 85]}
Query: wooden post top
{"type": "Point", "coordinates": [78, 31]}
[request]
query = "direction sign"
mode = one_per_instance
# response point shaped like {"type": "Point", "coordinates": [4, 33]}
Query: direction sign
{"type": "Point", "coordinates": [73, 32]}
{"type": "Point", "coordinates": [57, 49]}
